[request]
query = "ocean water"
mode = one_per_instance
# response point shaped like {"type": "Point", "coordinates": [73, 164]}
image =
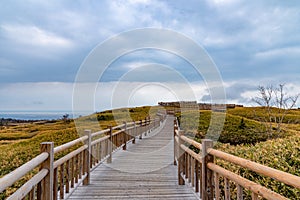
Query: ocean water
{"type": "Point", "coordinates": [37, 115]}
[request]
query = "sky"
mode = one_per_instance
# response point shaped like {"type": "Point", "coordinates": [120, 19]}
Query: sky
{"type": "Point", "coordinates": [43, 45]}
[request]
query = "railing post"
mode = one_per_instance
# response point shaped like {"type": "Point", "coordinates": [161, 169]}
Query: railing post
{"type": "Point", "coordinates": [146, 126]}
{"type": "Point", "coordinates": [134, 132]}
{"type": "Point", "coordinates": [207, 179]}
{"type": "Point", "coordinates": [180, 159]}
{"type": "Point", "coordinates": [175, 128]}
{"type": "Point", "coordinates": [141, 129]}
{"type": "Point", "coordinates": [87, 156]}
{"type": "Point", "coordinates": [150, 125]}
{"type": "Point", "coordinates": [124, 136]}
{"type": "Point", "coordinates": [47, 188]}
{"type": "Point", "coordinates": [109, 146]}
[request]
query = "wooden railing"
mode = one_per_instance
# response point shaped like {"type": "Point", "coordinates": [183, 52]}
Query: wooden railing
{"type": "Point", "coordinates": [201, 172]}
{"type": "Point", "coordinates": [57, 179]}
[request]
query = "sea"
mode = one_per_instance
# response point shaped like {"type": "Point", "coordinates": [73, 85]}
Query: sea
{"type": "Point", "coordinates": [38, 115]}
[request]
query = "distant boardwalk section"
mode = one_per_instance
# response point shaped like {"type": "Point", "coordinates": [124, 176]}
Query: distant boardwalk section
{"type": "Point", "coordinates": [194, 105]}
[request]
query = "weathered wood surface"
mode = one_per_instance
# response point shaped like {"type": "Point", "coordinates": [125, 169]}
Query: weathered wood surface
{"type": "Point", "coordinates": [144, 171]}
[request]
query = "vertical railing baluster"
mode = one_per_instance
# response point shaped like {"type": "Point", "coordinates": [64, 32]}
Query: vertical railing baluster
{"type": "Point", "coordinates": [180, 159]}
{"type": "Point", "coordinates": [217, 186]}
{"type": "Point", "coordinates": [61, 182]}
{"type": "Point", "coordinates": [67, 176]}
{"type": "Point", "coordinates": [239, 192]}
{"type": "Point", "coordinates": [175, 143]}
{"type": "Point", "coordinates": [196, 176]}
{"type": "Point", "coordinates": [227, 188]}
{"type": "Point", "coordinates": [87, 157]}
{"type": "Point", "coordinates": [125, 136]}
{"type": "Point", "coordinates": [133, 132]}
{"type": "Point", "coordinates": [109, 146]}
{"type": "Point", "coordinates": [207, 190]}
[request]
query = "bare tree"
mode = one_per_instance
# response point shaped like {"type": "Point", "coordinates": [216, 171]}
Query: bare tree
{"type": "Point", "coordinates": [65, 118]}
{"type": "Point", "coordinates": [276, 103]}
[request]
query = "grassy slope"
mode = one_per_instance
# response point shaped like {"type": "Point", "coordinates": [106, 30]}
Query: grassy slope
{"type": "Point", "coordinates": [281, 152]}
{"type": "Point", "coordinates": [237, 129]}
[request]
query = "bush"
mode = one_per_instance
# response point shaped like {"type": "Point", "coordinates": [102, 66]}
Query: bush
{"type": "Point", "coordinates": [236, 129]}
{"type": "Point", "coordinates": [105, 117]}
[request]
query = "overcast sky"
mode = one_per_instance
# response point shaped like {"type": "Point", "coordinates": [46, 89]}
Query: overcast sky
{"type": "Point", "coordinates": [44, 43]}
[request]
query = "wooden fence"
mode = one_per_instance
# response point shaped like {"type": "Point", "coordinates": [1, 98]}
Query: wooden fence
{"type": "Point", "coordinates": [202, 173]}
{"type": "Point", "coordinates": [57, 179]}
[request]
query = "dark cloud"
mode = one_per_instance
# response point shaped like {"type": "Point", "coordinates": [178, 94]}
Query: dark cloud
{"type": "Point", "coordinates": [46, 41]}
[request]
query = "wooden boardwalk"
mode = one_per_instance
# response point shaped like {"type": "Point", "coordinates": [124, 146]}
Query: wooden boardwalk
{"type": "Point", "coordinates": [144, 171]}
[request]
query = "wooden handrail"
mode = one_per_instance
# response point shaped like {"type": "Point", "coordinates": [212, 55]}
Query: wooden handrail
{"type": "Point", "coordinates": [68, 156]}
{"type": "Point", "coordinates": [258, 189]}
{"type": "Point", "coordinates": [9, 179]}
{"type": "Point", "coordinates": [100, 140]}
{"type": "Point", "coordinates": [98, 133]}
{"type": "Point", "coordinates": [281, 176]}
{"type": "Point", "coordinates": [188, 150]}
{"type": "Point", "coordinates": [191, 142]}
{"type": "Point", "coordinates": [192, 153]}
{"type": "Point", "coordinates": [69, 144]}
{"type": "Point", "coordinates": [27, 187]}
{"type": "Point", "coordinates": [118, 127]}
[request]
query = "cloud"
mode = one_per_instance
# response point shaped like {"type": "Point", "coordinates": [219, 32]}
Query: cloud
{"type": "Point", "coordinates": [34, 36]}
{"type": "Point", "coordinates": [58, 95]}
{"type": "Point", "coordinates": [137, 12]}
{"type": "Point", "coordinates": [279, 52]}
{"type": "Point", "coordinates": [36, 96]}
{"type": "Point", "coordinates": [221, 3]}
{"type": "Point", "coordinates": [107, 95]}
